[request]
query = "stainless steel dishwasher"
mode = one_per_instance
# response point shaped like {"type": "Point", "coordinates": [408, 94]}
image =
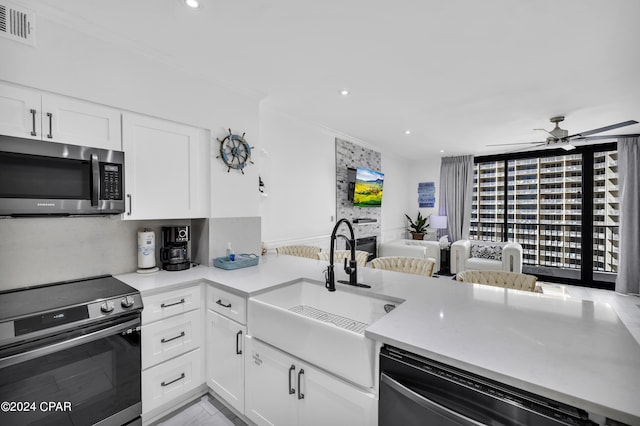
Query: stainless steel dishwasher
{"type": "Point", "coordinates": [419, 391]}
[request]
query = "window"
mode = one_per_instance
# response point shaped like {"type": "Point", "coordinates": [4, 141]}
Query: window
{"type": "Point", "coordinates": [549, 201]}
{"type": "Point", "coordinates": [605, 212]}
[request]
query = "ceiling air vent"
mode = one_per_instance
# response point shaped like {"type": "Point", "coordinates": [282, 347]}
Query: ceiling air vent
{"type": "Point", "coordinates": [17, 24]}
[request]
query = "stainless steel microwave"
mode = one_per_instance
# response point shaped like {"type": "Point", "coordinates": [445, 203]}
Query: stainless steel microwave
{"type": "Point", "coordinates": [47, 178]}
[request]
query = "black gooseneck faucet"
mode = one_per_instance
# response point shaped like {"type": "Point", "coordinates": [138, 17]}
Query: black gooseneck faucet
{"type": "Point", "coordinates": [352, 268]}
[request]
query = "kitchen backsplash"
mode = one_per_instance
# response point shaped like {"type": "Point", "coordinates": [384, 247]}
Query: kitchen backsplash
{"type": "Point", "coordinates": [43, 250]}
{"type": "Point", "coordinates": [244, 233]}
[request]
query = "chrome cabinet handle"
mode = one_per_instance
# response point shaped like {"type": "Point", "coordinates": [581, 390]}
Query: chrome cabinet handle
{"type": "Point", "coordinates": [300, 394]}
{"type": "Point", "coordinates": [238, 350]}
{"type": "Point", "coordinates": [50, 135]}
{"type": "Point", "coordinates": [173, 338]}
{"type": "Point", "coordinates": [166, 305]}
{"type": "Point", "coordinates": [129, 198]}
{"type": "Point", "coordinates": [219, 302]}
{"type": "Point", "coordinates": [33, 122]}
{"type": "Point", "coordinates": [163, 384]}
{"type": "Point", "coordinates": [291, 389]}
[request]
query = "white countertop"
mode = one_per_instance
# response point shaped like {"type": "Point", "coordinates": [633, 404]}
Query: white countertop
{"type": "Point", "coordinates": [577, 351]}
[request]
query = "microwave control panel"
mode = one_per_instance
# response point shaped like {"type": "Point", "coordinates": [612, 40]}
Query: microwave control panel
{"type": "Point", "coordinates": [110, 181]}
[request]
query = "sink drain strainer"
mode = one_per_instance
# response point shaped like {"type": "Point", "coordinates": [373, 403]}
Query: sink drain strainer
{"type": "Point", "coordinates": [337, 320]}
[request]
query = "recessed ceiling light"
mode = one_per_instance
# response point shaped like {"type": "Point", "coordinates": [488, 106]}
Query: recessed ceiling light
{"type": "Point", "coordinates": [407, 132]}
{"type": "Point", "coordinates": [192, 3]}
{"type": "Point", "coordinates": [344, 92]}
{"type": "Point", "coordinates": [441, 151]}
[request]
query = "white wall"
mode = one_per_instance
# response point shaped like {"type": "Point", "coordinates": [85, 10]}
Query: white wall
{"type": "Point", "coordinates": [298, 170]}
{"type": "Point", "coordinates": [299, 174]}
{"type": "Point", "coordinates": [397, 196]}
{"type": "Point", "coordinates": [427, 170]}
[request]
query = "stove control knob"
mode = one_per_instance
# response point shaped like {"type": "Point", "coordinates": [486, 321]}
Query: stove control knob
{"type": "Point", "coordinates": [107, 306]}
{"type": "Point", "coordinates": [127, 302]}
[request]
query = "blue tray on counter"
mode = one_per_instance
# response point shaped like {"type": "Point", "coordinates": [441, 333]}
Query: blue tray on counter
{"type": "Point", "coordinates": [242, 261]}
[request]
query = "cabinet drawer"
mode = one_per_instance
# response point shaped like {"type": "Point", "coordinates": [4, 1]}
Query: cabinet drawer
{"type": "Point", "coordinates": [164, 305]}
{"type": "Point", "coordinates": [228, 304]}
{"type": "Point", "coordinates": [169, 380]}
{"type": "Point", "coordinates": [171, 337]}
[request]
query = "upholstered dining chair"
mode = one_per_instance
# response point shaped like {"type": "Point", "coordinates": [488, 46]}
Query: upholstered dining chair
{"type": "Point", "coordinates": [340, 255]}
{"type": "Point", "coordinates": [499, 279]}
{"type": "Point", "coordinates": [310, 252]}
{"type": "Point", "coordinates": [409, 265]}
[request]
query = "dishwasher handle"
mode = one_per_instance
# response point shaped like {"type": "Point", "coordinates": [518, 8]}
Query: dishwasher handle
{"type": "Point", "coordinates": [428, 403]}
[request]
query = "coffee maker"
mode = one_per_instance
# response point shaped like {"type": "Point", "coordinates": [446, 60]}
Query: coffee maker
{"type": "Point", "coordinates": [174, 253]}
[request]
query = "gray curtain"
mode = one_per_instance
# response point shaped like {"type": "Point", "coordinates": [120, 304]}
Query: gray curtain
{"type": "Point", "coordinates": [628, 280]}
{"type": "Point", "coordinates": [456, 188]}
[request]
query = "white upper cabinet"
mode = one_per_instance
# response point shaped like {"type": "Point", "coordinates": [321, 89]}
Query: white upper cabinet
{"type": "Point", "coordinates": [166, 169]}
{"type": "Point", "coordinates": [31, 114]}
{"type": "Point", "coordinates": [20, 114]}
{"type": "Point", "coordinates": [77, 122]}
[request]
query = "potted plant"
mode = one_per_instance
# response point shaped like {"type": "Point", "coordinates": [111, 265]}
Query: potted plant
{"type": "Point", "coordinates": [418, 227]}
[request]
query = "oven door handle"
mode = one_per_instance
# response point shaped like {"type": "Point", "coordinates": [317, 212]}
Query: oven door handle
{"type": "Point", "coordinates": [67, 344]}
{"type": "Point", "coordinates": [427, 403]}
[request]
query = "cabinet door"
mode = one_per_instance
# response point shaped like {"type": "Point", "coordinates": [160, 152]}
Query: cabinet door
{"type": "Point", "coordinates": [169, 303]}
{"type": "Point", "coordinates": [225, 358]}
{"type": "Point", "coordinates": [20, 112]}
{"type": "Point", "coordinates": [76, 122]}
{"type": "Point", "coordinates": [171, 379]}
{"type": "Point", "coordinates": [269, 377]}
{"type": "Point", "coordinates": [331, 401]}
{"type": "Point", "coordinates": [166, 169]}
{"type": "Point", "coordinates": [170, 337]}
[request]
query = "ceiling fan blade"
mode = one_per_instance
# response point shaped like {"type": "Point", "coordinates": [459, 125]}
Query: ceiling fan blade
{"type": "Point", "coordinates": [603, 137]}
{"type": "Point", "coordinates": [517, 143]}
{"type": "Point", "coordinates": [604, 129]}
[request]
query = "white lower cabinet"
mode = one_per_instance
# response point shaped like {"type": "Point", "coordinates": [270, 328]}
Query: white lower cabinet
{"type": "Point", "coordinates": [172, 349]}
{"type": "Point", "coordinates": [166, 339]}
{"type": "Point", "coordinates": [283, 390]}
{"type": "Point", "coordinates": [225, 358]}
{"type": "Point", "coordinates": [171, 379]}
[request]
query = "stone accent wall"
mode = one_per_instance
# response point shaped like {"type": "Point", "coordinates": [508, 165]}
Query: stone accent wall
{"type": "Point", "coordinates": [350, 155]}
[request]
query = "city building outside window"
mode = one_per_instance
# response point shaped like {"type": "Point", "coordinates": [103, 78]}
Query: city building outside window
{"type": "Point", "coordinates": [550, 204]}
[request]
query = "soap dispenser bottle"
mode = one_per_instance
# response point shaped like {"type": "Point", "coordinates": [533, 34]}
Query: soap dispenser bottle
{"type": "Point", "coordinates": [230, 254]}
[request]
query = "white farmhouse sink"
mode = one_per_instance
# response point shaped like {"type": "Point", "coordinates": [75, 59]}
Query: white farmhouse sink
{"type": "Point", "coordinates": [321, 327]}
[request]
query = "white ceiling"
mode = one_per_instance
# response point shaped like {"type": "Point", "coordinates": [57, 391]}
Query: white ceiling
{"type": "Point", "coordinates": [459, 74]}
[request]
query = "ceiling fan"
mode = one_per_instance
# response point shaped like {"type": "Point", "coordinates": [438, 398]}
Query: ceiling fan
{"type": "Point", "coordinates": [559, 138]}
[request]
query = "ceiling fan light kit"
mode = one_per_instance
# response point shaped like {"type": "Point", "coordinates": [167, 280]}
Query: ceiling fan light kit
{"type": "Point", "coordinates": [559, 138]}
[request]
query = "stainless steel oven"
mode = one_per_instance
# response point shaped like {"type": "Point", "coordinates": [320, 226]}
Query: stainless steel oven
{"type": "Point", "coordinates": [418, 391]}
{"type": "Point", "coordinates": [48, 178]}
{"type": "Point", "coordinates": [70, 354]}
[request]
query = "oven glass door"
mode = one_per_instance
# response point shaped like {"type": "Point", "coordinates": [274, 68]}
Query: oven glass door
{"type": "Point", "coordinates": [80, 378]}
{"type": "Point", "coordinates": [40, 177]}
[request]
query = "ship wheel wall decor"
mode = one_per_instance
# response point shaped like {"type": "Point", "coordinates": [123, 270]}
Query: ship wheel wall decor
{"type": "Point", "coordinates": [235, 152]}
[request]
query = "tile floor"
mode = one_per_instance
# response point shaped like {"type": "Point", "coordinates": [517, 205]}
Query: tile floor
{"type": "Point", "coordinates": [205, 411]}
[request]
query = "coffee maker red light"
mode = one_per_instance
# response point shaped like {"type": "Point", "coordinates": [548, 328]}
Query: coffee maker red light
{"type": "Point", "coordinates": [174, 253]}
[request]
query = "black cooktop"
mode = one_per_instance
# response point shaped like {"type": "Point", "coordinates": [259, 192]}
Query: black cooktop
{"type": "Point", "coordinates": [28, 301]}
